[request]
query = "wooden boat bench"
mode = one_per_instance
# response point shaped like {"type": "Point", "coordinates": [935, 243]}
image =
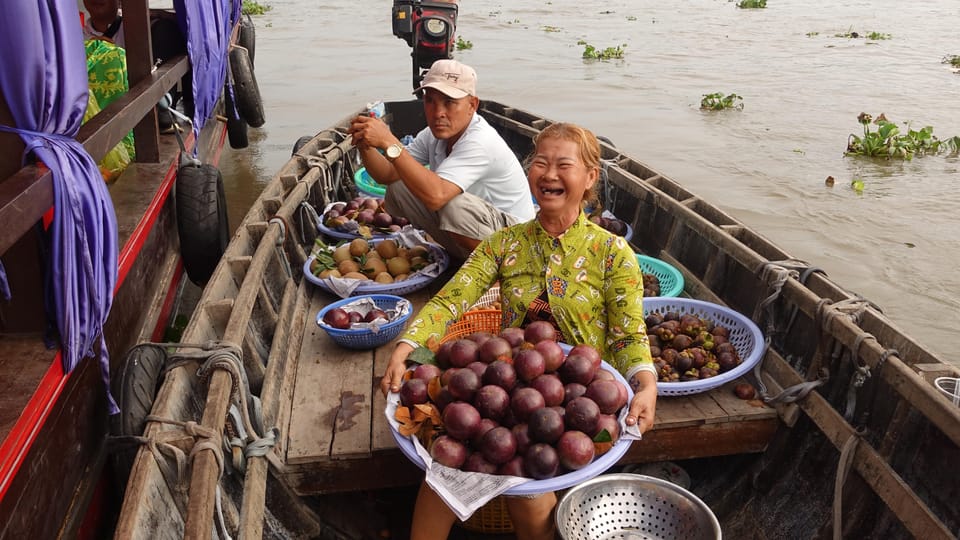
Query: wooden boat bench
{"type": "Point", "coordinates": [338, 438]}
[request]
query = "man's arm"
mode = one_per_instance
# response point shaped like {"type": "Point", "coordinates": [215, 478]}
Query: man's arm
{"type": "Point", "coordinates": [371, 135]}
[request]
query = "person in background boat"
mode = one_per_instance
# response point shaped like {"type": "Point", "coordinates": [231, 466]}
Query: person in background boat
{"type": "Point", "coordinates": [474, 184]}
{"type": "Point", "coordinates": [559, 267]}
{"type": "Point", "coordinates": [107, 72]}
{"type": "Point", "coordinates": [104, 21]}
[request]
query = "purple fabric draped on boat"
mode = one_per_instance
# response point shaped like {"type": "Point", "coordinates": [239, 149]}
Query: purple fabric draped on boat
{"type": "Point", "coordinates": [44, 80]}
{"type": "Point", "coordinates": [208, 40]}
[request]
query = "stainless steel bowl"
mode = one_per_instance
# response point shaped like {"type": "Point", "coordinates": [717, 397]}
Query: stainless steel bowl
{"type": "Point", "coordinates": [633, 506]}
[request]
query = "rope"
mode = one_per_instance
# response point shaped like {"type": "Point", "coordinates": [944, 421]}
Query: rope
{"type": "Point", "coordinates": [843, 468]}
{"type": "Point", "coordinates": [254, 444]}
{"type": "Point", "coordinates": [790, 394]}
{"type": "Point", "coordinates": [281, 252]}
{"type": "Point", "coordinates": [308, 215]}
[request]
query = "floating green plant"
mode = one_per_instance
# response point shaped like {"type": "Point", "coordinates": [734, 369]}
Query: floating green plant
{"type": "Point", "coordinates": [885, 139]}
{"type": "Point", "coordinates": [872, 35]}
{"type": "Point", "coordinates": [953, 60]}
{"type": "Point", "coordinates": [463, 44]}
{"type": "Point", "coordinates": [718, 102]}
{"type": "Point", "coordinates": [252, 7]}
{"type": "Point", "coordinates": [548, 28]}
{"type": "Point", "coordinates": [752, 4]}
{"type": "Point", "coordinates": [609, 53]}
{"type": "Point", "coordinates": [631, 17]}
{"type": "Point", "coordinates": [813, 34]}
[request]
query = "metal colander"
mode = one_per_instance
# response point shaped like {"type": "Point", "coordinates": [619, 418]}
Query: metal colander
{"type": "Point", "coordinates": [633, 506]}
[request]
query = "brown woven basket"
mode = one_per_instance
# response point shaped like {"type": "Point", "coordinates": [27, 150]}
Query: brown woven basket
{"type": "Point", "coordinates": [491, 518]}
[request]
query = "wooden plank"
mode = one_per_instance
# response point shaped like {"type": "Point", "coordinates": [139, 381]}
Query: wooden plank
{"type": "Point", "coordinates": [255, 480]}
{"type": "Point", "coordinates": [706, 440]}
{"type": "Point", "coordinates": [382, 470]}
{"type": "Point", "coordinates": [677, 411]}
{"type": "Point", "coordinates": [327, 399]}
{"type": "Point", "coordinates": [736, 409]}
{"type": "Point", "coordinates": [885, 482]}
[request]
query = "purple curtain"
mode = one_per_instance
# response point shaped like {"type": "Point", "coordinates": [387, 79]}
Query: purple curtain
{"type": "Point", "coordinates": [208, 40]}
{"type": "Point", "coordinates": [44, 80]}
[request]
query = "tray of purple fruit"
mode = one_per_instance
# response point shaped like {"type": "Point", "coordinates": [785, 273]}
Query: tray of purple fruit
{"type": "Point", "coordinates": [361, 217]}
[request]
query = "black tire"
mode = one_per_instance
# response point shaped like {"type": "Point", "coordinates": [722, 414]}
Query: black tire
{"type": "Point", "coordinates": [248, 36]}
{"type": "Point", "coordinates": [236, 126]}
{"type": "Point", "coordinates": [301, 142]}
{"type": "Point", "coordinates": [245, 87]}
{"type": "Point", "coordinates": [202, 221]}
{"type": "Point", "coordinates": [135, 387]}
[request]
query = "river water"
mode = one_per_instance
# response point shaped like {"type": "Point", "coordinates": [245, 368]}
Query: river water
{"type": "Point", "coordinates": [802, 88]}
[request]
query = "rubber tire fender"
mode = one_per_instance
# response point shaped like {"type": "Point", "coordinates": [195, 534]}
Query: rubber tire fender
{"type": "Point", "coordinates": [247, 37]}
{"type": "Point", "coordinates": [245, 87]}
{"type": "Point", "coordinates": [236, 127]}
{"type": "Point", "coordinates": [135, 386]}
{"type": "Point", "coordinates": [202, 221]}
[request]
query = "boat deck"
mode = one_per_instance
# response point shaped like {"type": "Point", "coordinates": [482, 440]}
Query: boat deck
{"type": "Point", "coordinates": [339, 439]}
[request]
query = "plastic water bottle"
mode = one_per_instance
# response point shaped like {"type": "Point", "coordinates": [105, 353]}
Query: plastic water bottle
{"type": "Point", "coordinates": [376, 109]}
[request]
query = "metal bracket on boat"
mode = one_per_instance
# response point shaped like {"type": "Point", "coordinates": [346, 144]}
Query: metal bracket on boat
{"type": "Point", "coordinates": [185, 157]}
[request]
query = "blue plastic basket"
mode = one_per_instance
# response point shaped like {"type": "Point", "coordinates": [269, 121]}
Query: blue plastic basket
{"type": "Point", "coordinates": [367, 338]}
{"type": "Point", "coordinates": [671, 280]}
{"type": "Point", "coordinates": [745, 336]}
{"type": "Point", "coordinates": [368, 185]}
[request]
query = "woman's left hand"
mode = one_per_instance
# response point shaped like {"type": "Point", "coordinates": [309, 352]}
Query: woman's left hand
{"type": "Point", "coordinates": [643, 406]}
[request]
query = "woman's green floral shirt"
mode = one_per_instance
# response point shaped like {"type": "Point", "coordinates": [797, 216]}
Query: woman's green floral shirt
{"type": "Point", "coordinates": [593, 282]}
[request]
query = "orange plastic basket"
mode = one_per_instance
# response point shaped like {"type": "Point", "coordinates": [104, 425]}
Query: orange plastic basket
{"type": "Point", "coordinates": [477, 320]}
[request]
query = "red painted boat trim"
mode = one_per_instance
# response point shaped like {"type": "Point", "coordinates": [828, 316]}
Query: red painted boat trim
{"type": "Point", "coordinates": [25, 431]}
{"type": "Point", "coordinates": [23, 434]}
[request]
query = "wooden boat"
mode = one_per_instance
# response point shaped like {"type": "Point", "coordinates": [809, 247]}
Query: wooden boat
{"type": "Point", "coordinates": [54, 424]}
{"type": "Point", "coordinates": [870, 453]}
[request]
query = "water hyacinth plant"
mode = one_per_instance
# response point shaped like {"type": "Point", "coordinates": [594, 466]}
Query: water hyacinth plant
{"type": "Point", "coordinates": [886, 140]}
{"type": "Point", "coordinates": [592, 53]}
{"type": "Point", "coordinates": [752, 4]}
{"type": "Point", "coordinates": [463, 44]}
{"type": "Point", "coordinates": [252, 7]}
{"type": "Point", "coordinates": [718, 102]}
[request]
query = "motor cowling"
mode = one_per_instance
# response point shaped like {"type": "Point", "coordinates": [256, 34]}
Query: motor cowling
{"type": "Point", "coordinates": [429, 28]}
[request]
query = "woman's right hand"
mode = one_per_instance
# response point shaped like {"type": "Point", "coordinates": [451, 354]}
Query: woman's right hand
{"type": "Point", "coordinates": [395, 369]}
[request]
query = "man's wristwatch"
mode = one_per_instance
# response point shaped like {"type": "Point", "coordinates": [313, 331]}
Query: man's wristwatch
{"type": "Point", "coordinates": [393, 151]}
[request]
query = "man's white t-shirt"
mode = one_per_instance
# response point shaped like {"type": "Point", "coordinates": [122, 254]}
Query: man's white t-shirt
{"type": "Point", "coordinates": [481, 164]}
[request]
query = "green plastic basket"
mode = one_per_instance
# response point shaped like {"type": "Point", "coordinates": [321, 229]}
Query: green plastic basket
{"type": "Point", "coordinates": [368, 185]}
{"type": "Point", "coordinates": [671, 280]}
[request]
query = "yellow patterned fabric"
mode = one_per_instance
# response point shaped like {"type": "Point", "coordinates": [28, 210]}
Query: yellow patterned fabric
{"type": "Point", "coordinates": [107, 72]}
{"type": "Point", "coordinates": [592, 279]}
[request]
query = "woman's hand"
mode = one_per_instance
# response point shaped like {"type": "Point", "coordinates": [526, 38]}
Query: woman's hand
{"type": "Point", "coordinates": [398, 365]}
{"type": "Point", "coordinates": [643, 406]}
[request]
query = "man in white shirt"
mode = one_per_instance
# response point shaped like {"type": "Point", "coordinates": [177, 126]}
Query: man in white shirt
{"type": "Point", "coordinates": [474, 184]}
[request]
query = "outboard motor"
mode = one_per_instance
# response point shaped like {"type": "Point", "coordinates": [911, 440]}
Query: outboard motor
{"type": "Point", "coordinates": [429, 28]}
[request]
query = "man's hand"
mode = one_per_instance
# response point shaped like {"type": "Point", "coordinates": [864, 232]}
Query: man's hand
{"type": "Point", "coordinates": [370, 132]}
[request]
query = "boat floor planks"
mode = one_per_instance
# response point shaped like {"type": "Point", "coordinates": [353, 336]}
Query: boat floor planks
{"type": "Point", "coordinates": [339, 438]}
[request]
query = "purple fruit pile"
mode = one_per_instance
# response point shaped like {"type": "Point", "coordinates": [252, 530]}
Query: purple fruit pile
{"type": "Point", "coordinates": [514, 404]}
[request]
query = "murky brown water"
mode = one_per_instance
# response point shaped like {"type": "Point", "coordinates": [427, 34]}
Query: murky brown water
{"type": "Point", "coordinates": [896, 243]}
